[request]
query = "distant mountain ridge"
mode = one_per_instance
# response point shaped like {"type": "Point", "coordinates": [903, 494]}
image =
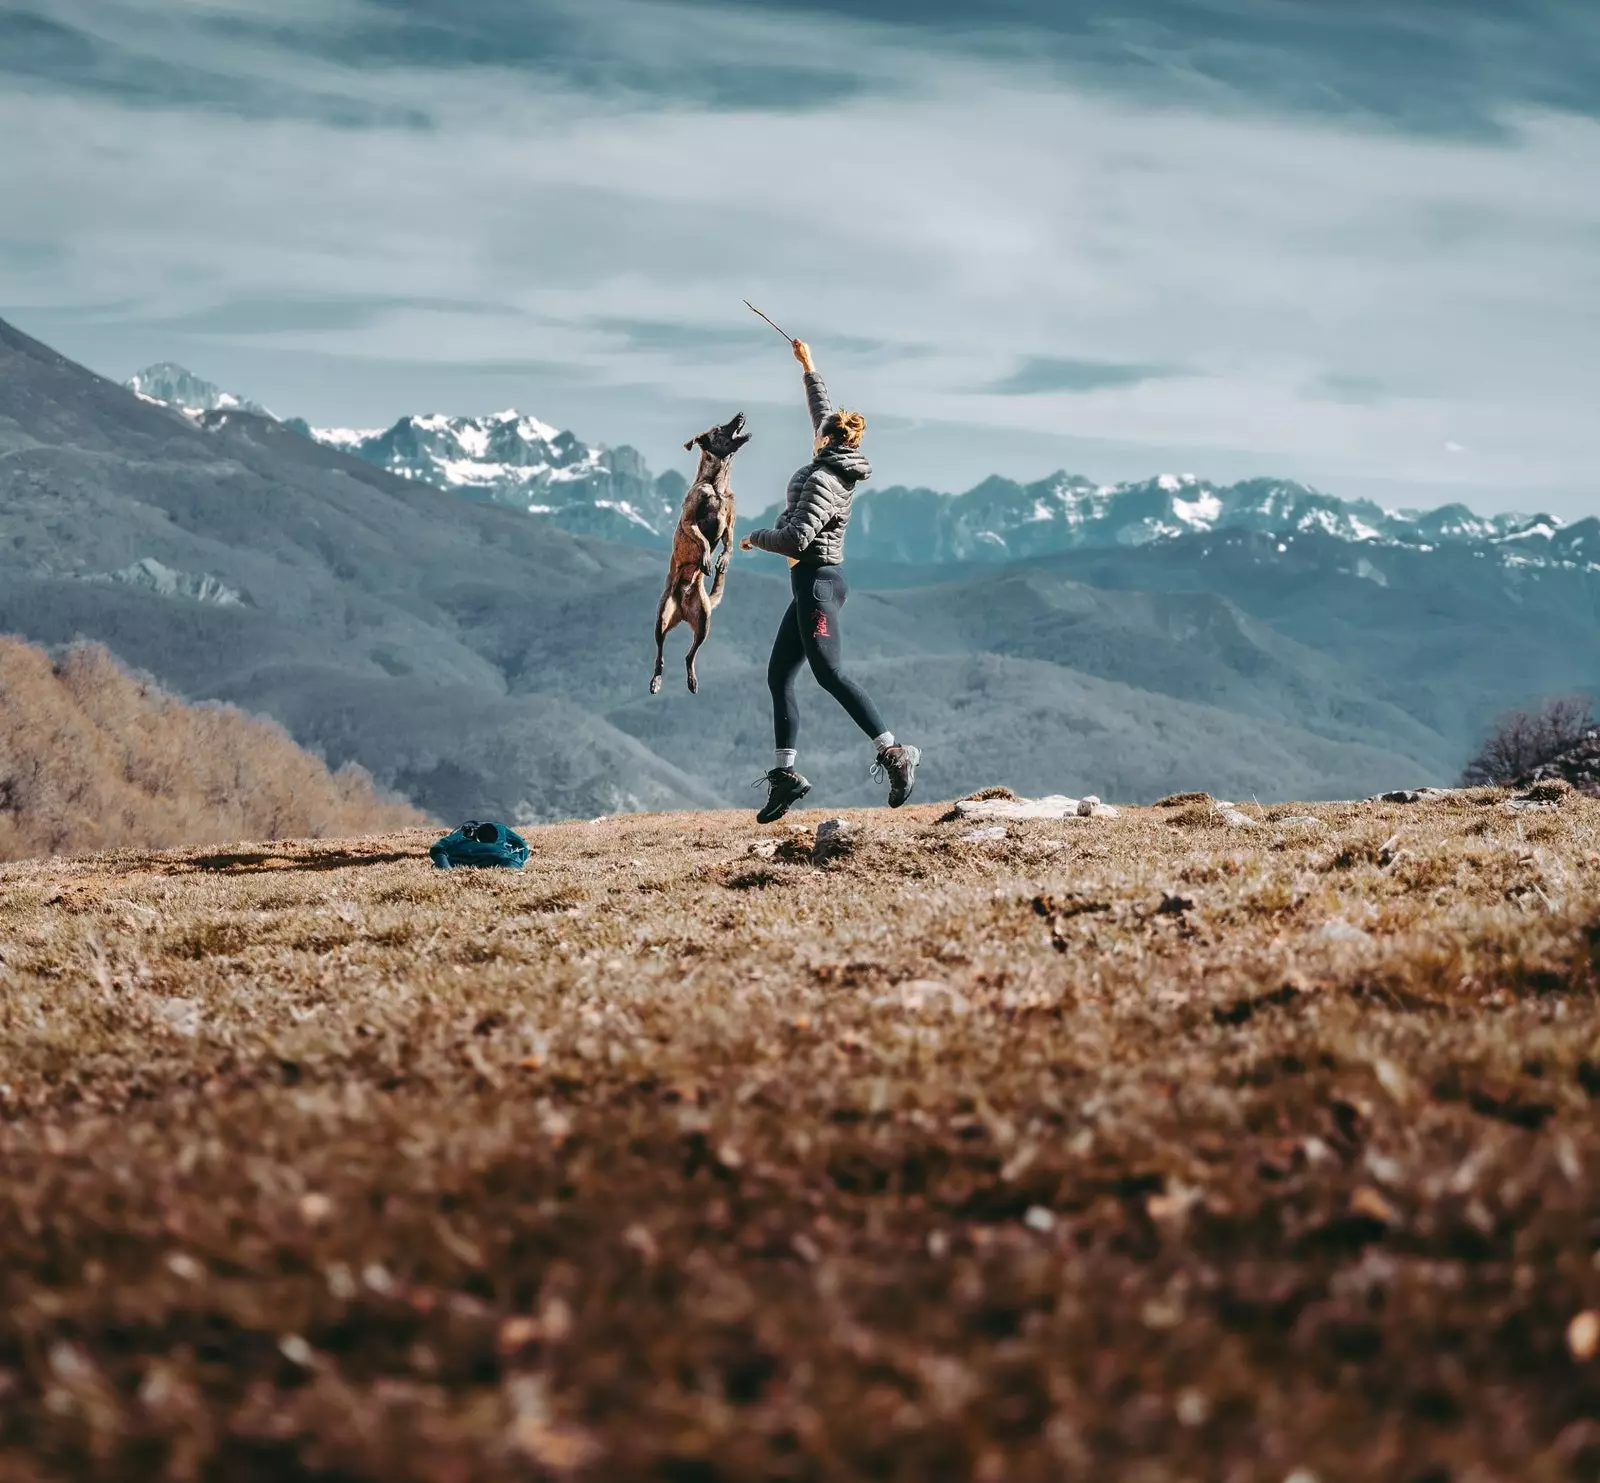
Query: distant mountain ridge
{"type": "Point", "coordinates": [512, 459]}
{"type": "Point", "coordinates": [1000, 520]}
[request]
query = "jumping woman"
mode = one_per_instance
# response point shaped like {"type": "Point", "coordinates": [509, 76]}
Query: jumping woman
{"type": "Point", "coordinates": [810, 532]}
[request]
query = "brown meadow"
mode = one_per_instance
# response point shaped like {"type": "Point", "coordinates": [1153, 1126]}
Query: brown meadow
{"type": "Point", "coordinates": [1145, 1148]}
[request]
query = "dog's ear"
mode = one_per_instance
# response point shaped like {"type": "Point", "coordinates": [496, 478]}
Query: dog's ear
{"type": "Point", "coordinates": [689, 446]}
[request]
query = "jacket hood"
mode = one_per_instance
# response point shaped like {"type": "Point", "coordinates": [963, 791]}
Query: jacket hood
{"type": "Point", "coordinates": [850, 463]}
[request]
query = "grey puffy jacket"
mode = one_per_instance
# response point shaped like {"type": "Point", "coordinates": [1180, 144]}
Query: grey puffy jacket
{"type": "Point", "coordinates": [817, 510]}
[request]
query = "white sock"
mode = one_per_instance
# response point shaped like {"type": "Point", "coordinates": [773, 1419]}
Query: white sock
{"type": "Point", "coordinates": [886, 740]}
{"type": "Point", "coordinates": [786, 756]}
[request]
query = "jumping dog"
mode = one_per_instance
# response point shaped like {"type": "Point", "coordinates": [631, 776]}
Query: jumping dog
{"type": "Point", "coordinates": [705, 521]}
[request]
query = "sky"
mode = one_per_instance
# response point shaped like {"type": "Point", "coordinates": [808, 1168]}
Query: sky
{"type": "Point", "coordinates": [1353, 242]}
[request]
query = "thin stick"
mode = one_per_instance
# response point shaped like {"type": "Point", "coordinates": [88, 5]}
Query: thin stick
{"type": "Point", "coordinates": [752, 308]}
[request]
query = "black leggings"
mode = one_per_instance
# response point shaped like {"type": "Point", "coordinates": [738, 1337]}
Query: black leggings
{"type": "Point", "coordinates": [809, 634]}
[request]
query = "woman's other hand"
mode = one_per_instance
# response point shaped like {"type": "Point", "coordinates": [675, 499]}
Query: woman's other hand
{"type": "Point", "coordinates": [802, 353]}
{"type": "Point", "coordinates": [745, 545]}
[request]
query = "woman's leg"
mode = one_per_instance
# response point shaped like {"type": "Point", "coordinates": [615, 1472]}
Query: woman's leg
{"type": "Point", "coordinates": [788, 654]}
{"type": "Point", "coordinates": [817, 605]}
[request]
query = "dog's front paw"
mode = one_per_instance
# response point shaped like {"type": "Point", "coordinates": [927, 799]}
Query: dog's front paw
{"type": "Point", "coordinates": [694, 685]}
{"type": "Point", "coordinates": [655, 684]}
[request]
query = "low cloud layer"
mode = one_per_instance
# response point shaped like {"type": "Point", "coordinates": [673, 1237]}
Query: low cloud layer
{"type": "Point", "coordinates": [1116, 239]}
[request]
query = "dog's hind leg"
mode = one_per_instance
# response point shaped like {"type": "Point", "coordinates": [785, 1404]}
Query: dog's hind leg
{"type": "Point", "coordinates": [701, 618]}
{"type": "Point", "coordinates": [667, 618]}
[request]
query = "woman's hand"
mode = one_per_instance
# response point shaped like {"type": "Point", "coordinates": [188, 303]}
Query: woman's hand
{"type": "Point", "coordinates": [802, 353]}
{"type": "Point", "coordinates": [745, 545]}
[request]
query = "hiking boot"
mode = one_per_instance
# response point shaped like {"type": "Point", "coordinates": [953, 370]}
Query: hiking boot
{"type": "Point", "coordinates": [788, 788]}
{"type": "Point", "coordinates": [901, 765]}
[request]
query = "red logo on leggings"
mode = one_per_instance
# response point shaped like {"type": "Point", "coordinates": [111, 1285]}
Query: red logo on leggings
{"type": "Point", "coordinates": [820, 630]}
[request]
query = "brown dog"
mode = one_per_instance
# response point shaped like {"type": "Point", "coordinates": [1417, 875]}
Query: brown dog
{"type": "Point", "coordinates": [705, 521]}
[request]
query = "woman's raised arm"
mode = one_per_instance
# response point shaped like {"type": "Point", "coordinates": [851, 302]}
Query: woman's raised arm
{"type": "Point", "coordinates": [817, 399]}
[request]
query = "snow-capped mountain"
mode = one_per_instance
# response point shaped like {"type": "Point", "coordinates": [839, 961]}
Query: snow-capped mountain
{"type": "Point", "coordinates": [1000, 520]}
{"type": "Point", "coordinates": [187, 392]}
{"type": "Point", "coordinates": [512, 459]}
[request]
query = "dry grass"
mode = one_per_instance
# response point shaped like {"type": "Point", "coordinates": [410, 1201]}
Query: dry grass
{"type": "Point", "coordinates": [1118, 1150]}
{"type": "Point", "coordinates": [92, 758]}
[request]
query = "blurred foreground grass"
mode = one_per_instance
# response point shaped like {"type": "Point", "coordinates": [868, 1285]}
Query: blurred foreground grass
{"type": "Point", "coordinates": [1144, 1148]}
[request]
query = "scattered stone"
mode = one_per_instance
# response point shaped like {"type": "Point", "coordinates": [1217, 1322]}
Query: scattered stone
{"type": "Point", "coordinates": [835, 839]}
{"type": "Point", "coordinates": [1339, 930]}
{"type": "Point", "coordinates": [763, 849]}
{"type": "Point", "coordinates": [1531, 806]}
{"type": "Point", "coordinates": [988, 835]}
{"type": "Point", "coordinates": [1092, 808]}
{"type": "Point", "coordinates": [1039, 1219]}
{"type": "Point", "coordinates": [1236, 820]}
{"type": "Point", "coordinates": [1583, 1335]}
{"type": "Point", "coordinates": [1302, 821]}
{"type": "Point", "coordinates": [1367, 1202]}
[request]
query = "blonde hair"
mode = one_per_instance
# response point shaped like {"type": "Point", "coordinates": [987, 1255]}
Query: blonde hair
{"type": "Point", "coordinates": [845, 427]}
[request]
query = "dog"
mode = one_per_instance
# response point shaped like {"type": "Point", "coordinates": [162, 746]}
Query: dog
{"type": "Point", "coordinates": [705, 521]}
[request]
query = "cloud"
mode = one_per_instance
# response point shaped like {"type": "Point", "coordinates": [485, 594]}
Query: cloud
{"type": "Point", "coordinates": [1278, 286]}
{"type": "Point", "coordinates": [93, 60]}
{"type": "Point", "coordinates": [1452, 68]}
{"type": "Point", "coordinates": [1359, 391]}
{"type": "Point", "coordinates": [287, 314]}
{"type": "Point", "coordinates": [1040, 374]}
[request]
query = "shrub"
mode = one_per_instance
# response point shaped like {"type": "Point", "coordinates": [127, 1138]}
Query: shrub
{"type": "Point", "coordinates": [1523, 740]}
{"type": "Point", "coordinates": [92, 758]}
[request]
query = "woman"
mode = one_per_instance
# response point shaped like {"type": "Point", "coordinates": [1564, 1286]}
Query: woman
{"type": "Point", "coordinates": [810, 532]}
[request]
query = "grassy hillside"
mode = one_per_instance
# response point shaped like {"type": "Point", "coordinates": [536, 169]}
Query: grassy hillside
{"type": "Point", "coordinates": [93, 759]}
{"type": "Point", "coordinates": [1136, 1148]}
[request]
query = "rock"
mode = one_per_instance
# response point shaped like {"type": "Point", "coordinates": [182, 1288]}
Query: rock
{"type": "Point", "coordinates": [1039, 1219]}
{"type": "Point", "coordinates": [1579, 767]}
{"type": "Point", "coordinates": [987, 835]}
{"type": "Point", "coordinates": [1339, 930]}
{"type": "Point", "coordinates": [1092, 808]}
{"type": "Point", "coordinates": [835, 838]}
{"type": "Point", "coordinates": [1413, 795]}
{"type": "Point", "coordinates": [1236, 820]}
{"type": "Point", "coordinates": [763, 849]}
{"type": "Point", "coordinates": [1302, 821]}
{"type": "Point", "coordinates": [918, 994]}
{"type": "Point", "coordinates": [1531, 806]}
{"type": "Point", "coordinates": [1368, 1202]}
{"type": "Point", "coordinates": [1583, 1335]}
{"type": "Point", "coordinates": [1054, 807]}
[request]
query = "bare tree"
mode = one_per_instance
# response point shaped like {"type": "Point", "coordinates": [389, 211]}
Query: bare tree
{"type": "Point", "coordinates": [1522, 740]}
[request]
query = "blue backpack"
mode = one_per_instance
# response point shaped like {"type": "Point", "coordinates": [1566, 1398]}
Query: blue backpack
{"type": "Point", "coordinates": [490, 845]}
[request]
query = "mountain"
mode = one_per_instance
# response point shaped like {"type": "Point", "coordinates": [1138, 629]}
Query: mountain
{"type": "Point", "coordinates": [506, 458]}
{"type": "Point", "coordinates": [479, 661]}
{"type": "Point", "coordinates": [1000, 520]}
{"type": "Point", "coordinates": [515, 460]}
{"type": "Point", "coordinates": [173, 385]}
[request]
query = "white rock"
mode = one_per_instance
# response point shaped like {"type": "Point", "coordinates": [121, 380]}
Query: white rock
{"type": "Point", "coordinates": [1235, 820]}
{"type": "Point", "coordinates": [1039, 1219]}
{"type": "Point", "coordinates": [1302, 821]}
{"type": "Point", "coordinates": [988, 833]}
{"type": "Point", "coordinates": [1056, 806]}
{"type": "Point", "coordinates": [1339, 930]}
